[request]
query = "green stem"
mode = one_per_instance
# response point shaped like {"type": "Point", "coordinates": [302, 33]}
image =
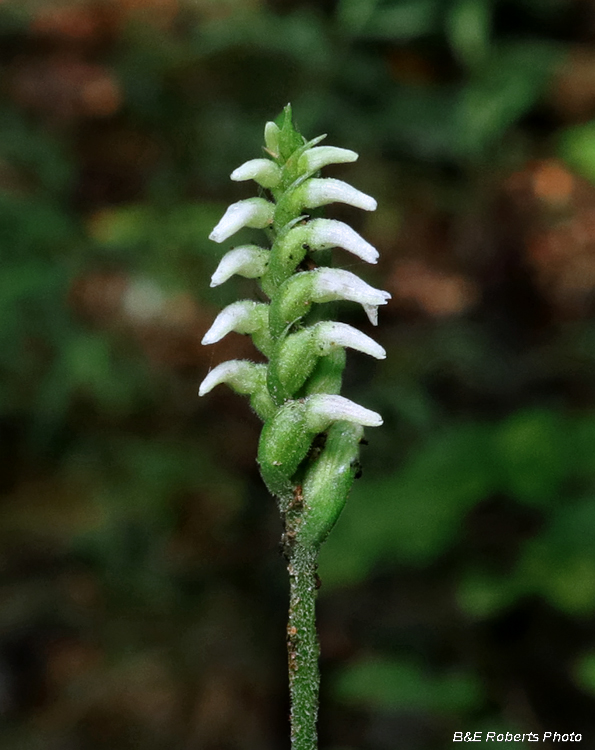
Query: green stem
{"type": "Point", "coordinates": [302, 647]}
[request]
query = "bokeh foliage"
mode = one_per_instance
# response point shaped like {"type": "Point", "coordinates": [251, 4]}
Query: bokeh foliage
{"type": "Point", "coordinates": [143, 600]}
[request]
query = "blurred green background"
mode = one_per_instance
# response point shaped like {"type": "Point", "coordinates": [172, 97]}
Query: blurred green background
{"type": "Point", "coordinates": [142, 594]}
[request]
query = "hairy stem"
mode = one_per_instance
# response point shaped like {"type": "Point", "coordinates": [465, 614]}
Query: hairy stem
{"type": "Point", "coordinates": [302, 647]}
{"type": "Point", "coordinates": [309, 445]}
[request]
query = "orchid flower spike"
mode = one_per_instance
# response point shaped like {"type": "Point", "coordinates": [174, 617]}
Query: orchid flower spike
{"type": "Point", "coordinates": [308, 452]}
{"type": "Point", "coordinates": [297, 391]}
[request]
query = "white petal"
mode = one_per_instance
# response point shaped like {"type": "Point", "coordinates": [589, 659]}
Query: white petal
{"type": "Point", "coordinates": [239, 316]}
{"type": "Point", "coordinates": [324, 409]}
{"type": "Point", "coordinates": [253, 212]}
{"type": "Point", "coordinates": [326, 233]}
{"type": "Point", "coordinates": [317, 192]}
{"type": "Point", "coordinates": [331, 334]}
{"type": "Point", "coordinates": [249, 261]}
{"type": "Point", "coordinates": [263, 171]}
{"type": "Point", "coordinates": [271, 137]}
{"type": "Point", "coordinates": [240, 373]}
{"type": "Point", "coordinates": [315, 158]}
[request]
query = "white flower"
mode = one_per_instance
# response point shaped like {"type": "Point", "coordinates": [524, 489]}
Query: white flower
{"type": "Point", "coordinates": [271, 137]}
{"type": "Point", "coordinates": [245, 316]}
{"type": "Point", "coordinates": [249, 261]}
{"type": "Point", "coordinates": [263, 171]}
{"type": "Point", "coordinates": [326, 233]}
{"type": "Point", "coordinates": [242, 375]}
{"type": "Point", "coordinates": [329, 335]}
{"type": "Point", "coordinates": [317, 192]}
{"type": "Point", "coordinates": [322, 410]}
{"type": "Point", "coordinates": [334, 284]}
{"type": "Point", "coordinates": [253, 212]}
{"type": "Point", "coordinates": [315, 158]}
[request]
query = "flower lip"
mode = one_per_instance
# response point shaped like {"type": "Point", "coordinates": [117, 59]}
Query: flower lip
{"type": "Point", "coordinates": [320, 191]}
{"type": "Point", "coordinates": [323, 409]}
{"type": "Point", "coordinates": [252, 212]}
{"type": "Point", "coordinates": [249, 261]}
{"type": "Point", "coordinates": [327, 233]}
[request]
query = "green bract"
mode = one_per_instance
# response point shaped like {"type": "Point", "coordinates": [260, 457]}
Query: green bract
{"type": "Point", "coordinates": [310, 440]}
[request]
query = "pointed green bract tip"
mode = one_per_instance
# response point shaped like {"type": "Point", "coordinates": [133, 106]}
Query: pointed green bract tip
{"type": "Point", "coordinates": [290, 138]}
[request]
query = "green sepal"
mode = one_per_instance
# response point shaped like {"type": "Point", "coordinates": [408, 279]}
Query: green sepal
{"type": "Point", "coordinates": [288, 251]}
{"type": "Point", "coordinates": [293, 362]}
{"type": "Point", "coordinates": [285, 208]}
{"type": "Point", "coordinates": [262, 403]}
{"type": "Point", "coordinates": [291, 303]}
{"type": "Point", "coordinates": [261, 338]}
{"type": "Point", "coordinates": [327, 376]}
{"type": "Point", "coordinates": [290, 139]}
{"type": "Point", "coordinates": [284, 443]}
{"type": "Point", "coordinates": [327, 482]}
{"type": "Point", "coordinates": [300, 360]}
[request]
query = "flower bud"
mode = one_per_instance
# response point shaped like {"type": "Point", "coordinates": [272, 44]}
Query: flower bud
{"type": "Point", "coordinates": [284, 443]}
{"type": "Point", "coordinates": [271, 138]}
{"type": "Point", "coordinates": [252, 212]}
{"type": "Point", "coordinates": [249, 261]}
{"type": "Point", "coordinates": [327, 482]}
{"type": "Point", "coordinates": [263, 171]}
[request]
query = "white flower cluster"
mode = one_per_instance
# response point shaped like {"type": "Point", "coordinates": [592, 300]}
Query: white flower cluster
{"type": "Point", "coordinates": [320, 285]}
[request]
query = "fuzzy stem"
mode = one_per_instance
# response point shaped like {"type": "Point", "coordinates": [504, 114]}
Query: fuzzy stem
{"type": "Point", "coordinates": [309, 445]}
{"type": "Point", "coordinates": [302, 647]}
